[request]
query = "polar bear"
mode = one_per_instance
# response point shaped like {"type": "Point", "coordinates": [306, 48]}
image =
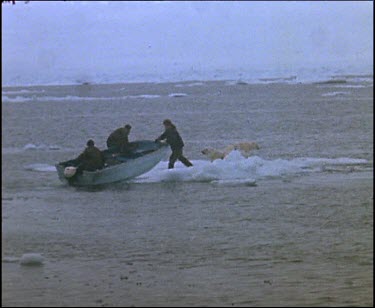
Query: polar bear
{"type": "Point", "coordinates": [245, 148]}
{"type": "Point", "coordinates": [213, 154]}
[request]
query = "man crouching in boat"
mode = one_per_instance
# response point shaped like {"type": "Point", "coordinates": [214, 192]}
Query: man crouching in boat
{"type": "Point", "coordinates": [118, 140]}
{"type": "Point", "coordinates": [90, 159]}
{"type": "Point", "coordinates": [175, 141]}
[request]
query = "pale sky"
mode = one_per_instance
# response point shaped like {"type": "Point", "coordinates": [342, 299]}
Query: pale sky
{"type": "Point", "coordinates": [113, 37]}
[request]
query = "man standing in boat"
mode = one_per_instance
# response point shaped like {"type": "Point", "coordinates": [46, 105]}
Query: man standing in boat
{"type": "Point", "coordinates": [175, 141]}
{"type": "Point", "coordinates": [118, 140]}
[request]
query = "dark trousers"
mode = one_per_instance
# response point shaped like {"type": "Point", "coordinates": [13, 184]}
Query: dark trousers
{"type": "Point", "coordinates": [177, 154]}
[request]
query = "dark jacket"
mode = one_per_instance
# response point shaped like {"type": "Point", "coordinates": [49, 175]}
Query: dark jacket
{"type": "Point", "coordinates": [91, 159]}
{"type": "Point", "coordinates": [173, 138]}
{"type": "Point", "coordinates": [119, 138]}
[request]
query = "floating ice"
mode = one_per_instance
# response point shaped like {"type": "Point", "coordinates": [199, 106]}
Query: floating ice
{"type": "Point", "coordinates": [31, 146]}
{"type": "Point", "coordinates": [10, 260]}
{"type": "Point", "coordinates": [22, 92]}
{"type": "Point", "coordinates": [22, 99]}
{"type": "Point", "coordinates": [145, 96]}
{"type": "Point", "coordinates": [193, 84]}
{"type": "Point", "coordinates": [40, 168]}
{"type": "Point", "coordinates": [349, 86]}
{"type": "Point", "coordinates": [237, 170]}
{"type": "Point", "coordinates": [31, 259]}
{"type": "Point", "coordinates": [236, 82]}
{"type": "Point", "coordinates": [177, 95]}
{"type": "Point", "coordinates": [338, 93]}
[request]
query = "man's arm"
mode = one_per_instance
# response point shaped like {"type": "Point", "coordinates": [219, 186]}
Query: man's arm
{"type": "Point", "coordinates": [161, 137]}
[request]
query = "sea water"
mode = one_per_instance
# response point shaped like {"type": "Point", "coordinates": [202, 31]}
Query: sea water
{"type": "Point", "coordinates": [291, 225]}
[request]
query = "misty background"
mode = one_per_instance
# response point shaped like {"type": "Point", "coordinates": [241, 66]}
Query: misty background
{"type": "Point", "coordinates": [57, 42]}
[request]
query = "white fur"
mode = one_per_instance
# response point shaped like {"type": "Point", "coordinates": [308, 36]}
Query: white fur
{"type": "Point", "coordinates": [245, 148]}
{"type": "Point", "coordinates": [213, 154]}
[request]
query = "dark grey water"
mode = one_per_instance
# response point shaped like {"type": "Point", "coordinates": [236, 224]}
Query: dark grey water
{"type": "Point", "coordinates": [303, 236]}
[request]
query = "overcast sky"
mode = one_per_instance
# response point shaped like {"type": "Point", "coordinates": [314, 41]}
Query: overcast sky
{"type": "Point", "coordinates": [86, 37]}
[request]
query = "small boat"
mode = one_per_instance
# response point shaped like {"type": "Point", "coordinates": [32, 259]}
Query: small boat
{"type": "Point", "coordinates": [147, 155]}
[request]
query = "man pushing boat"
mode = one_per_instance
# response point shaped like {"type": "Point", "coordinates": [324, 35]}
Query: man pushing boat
{"type": "Point", "coordinates": [174, 139]}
